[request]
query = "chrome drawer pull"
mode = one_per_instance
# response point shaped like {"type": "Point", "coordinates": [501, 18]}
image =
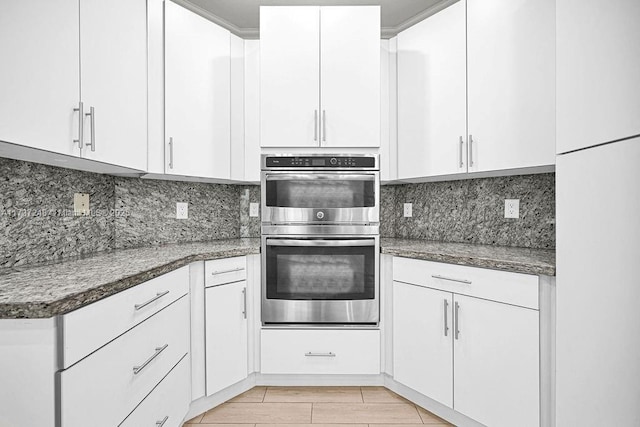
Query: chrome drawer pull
{"type": "Point", "coordinates": [437, 276]}
{"type": "Point", "coordinates": [227, 271]}
{"type": "Point", "coordinates": [138, 369]}
{"type": "Point", "coordinates": [330, 354]}
{"type": "Point", "coordinates": [161, 423]}
{"type": "Point", "coordinates": [157, 297]}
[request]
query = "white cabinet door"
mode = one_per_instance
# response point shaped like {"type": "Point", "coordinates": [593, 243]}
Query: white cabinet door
{"type": "Point", "coordinates": [226, 335]}
{"type": "Point", "coordinates": [252, 110]}
{"type": "Point", "coordinates": [496, 359]}
{"type": "Point", "coordinates": [432, 96]}
{"type": "Point", "coordinates": [39, 74]}
{"type": "Point", "coordinates": [197, 95]}
{"type": "Point", "coordinates": [511, 83]}
{"type": "Point", "coordinates": [289, 76]}
{"type": "Point", "coordinates": [598, 92]}
{"type": "Point", "coordinates": [350, 76]}
{"type": "Point", "coordinates": [422, 340]}
{"type": "Point", "coordinates": [113, 66]}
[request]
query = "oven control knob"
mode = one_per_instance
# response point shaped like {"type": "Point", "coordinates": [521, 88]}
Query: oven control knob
{"type": "Point", "coordinates": [320, 215]}
{"type": "Point", "coordinates": [333, 161]}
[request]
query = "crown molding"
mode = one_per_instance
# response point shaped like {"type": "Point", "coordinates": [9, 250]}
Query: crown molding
{"type": "Point", "coordinates": [254, 33]}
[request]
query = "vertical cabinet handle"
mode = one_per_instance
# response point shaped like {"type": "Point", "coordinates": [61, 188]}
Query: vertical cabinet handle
{"type": "Point", "coordinates": [324, 126]}
{"type": "Point", "coordinates": [470, 150]}
{"type": "Point", "coordinates": [80, 111]}
{"type": "Point", "coordinates": [461, 147]}
{"type": "Point", "coordinates": [446, 321]}
{"type": "Point", "coordinates": [315, 125]}
{"type": "Point", "coordinates": [456, 320]}
{"type": "Point", "coordinates": [162, 421]}
{"type": "Point", "coordinates": [170, 152]}
{"type": "Point", "coordinates": [92, 113]}
{"type": "Point", "coordinates": [244, 302]}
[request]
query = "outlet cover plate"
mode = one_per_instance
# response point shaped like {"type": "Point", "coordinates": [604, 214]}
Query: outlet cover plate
{"type": "Point", "coordinates": [512, 208]}
{"type": "Point", "coordinates": [254, 209]}
{"type": "Point", "coordinates": [80, 204]}
{"type": "Point", "coordinates": [408, 210]}
{"type": "Point", "coordinates": [182, 210]}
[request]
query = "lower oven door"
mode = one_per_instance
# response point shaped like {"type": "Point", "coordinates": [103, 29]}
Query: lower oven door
{"type": "Point", "coordinates": [320, 280]}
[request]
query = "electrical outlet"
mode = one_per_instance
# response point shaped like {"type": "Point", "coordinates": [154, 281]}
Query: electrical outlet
{"type": "Point", "coordinates": [408, 210]}
{"type": "Point", "coordinates": [182, 210]}
{"type": "Point", "coordinates": [254, 209]}
{"type": "Point", "coordinates": [512, 208]}
{"type": "Point", "coordinates": [80, 204]}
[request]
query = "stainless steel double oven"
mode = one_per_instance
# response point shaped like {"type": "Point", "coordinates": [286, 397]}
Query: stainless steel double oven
{"type": "Point", "coordinates": [320, 239]}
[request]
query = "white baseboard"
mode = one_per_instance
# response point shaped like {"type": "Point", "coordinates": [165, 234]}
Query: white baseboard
{"type": "Point", "coordinates": [319, 380]}
{"type": "Point", "coordinates": [209, 402]}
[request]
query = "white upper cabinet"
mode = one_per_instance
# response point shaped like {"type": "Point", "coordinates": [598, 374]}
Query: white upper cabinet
{"type": "Point", "coordinates": [432, 96]}
{"type": "Point", "coordinates": [197, 95]}
{"type": "Point", "coordinates": [320, 76]}
{"type": "Point", "coordinates": [511, 83]}
{"type": "Point", "coordinates": [62, 54]}
{"type": "Point", "coordinates": [113, 65]}
{"type": "Point", "coordinates": [598, 87]}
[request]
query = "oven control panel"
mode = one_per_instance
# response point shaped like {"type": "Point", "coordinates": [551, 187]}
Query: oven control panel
{"type": "Point", "coordinates": [322, 162]}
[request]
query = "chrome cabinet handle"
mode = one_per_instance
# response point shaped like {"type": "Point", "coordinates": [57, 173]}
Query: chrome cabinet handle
{"type": "Point", "coordinates": [457, 321]}
{"type": "Point", "coordinates": [92, 113]}
{"type": "Point", "coordinates": [213, 273]}
{"type": "Point", "coordinates": [451, 279]}
{"type": "Point", "coordinates": [80, 111]}
{"type": "Point", "coordinates": [461, 146]}
{"type": "Point", "coordinates": [470, 150]}
{"type": "Point", "coordinates": [170, 152]}
{"type": "Point", "coordinates": [315, 125]}
{"type": "Point", "coordinates": [244, 303]}
{"type": "Point", "coordinates": [446, 321]}
{"type": "Point", "coordinates": [162, 421]}
{"type": "Point", "coordinates": [310, 354]}
{"type": "Point", "coordinates": [157, 297]}
{"type": "Point", "coordinates": [324, 126]}
{"type": "Point", "coordinates": [138, 369]}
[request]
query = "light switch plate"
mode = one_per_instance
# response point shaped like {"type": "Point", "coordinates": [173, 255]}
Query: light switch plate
{"type": "Point", "coordinates": [254, 209]}
{"type": "Point", "coordinates": [408, 210]}
{"type": "Point", "coordinates": [182, 210]}
{"type": "Point", "coordinates": [512, 208]}
{"type": "Point", "coordinates": [81, 204]}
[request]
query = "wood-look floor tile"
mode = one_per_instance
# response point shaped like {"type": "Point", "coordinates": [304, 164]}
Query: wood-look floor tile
{"type": "Point", "coordinates": [429, 418]}
{"type": "Point", "coordinates": [381, 395]}
{"type": "Point", "coordinates": [256, 394]}
{"type": "Point", "coordinates": [314, 394]}
{"type": "Point", "coordinates": [370, 413]}
{"type": "Point", "coordinates": [263, 413]}
{"type": "Point", "coordinates": [315, 425]}
{"type": "Point", "coordinates": [445, 424]}
{"type": "Point", "coordinates": [195, 420]}
{"type": "Point", "coordinates": [222, 425]}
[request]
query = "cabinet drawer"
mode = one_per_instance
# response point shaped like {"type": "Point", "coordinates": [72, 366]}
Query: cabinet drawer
{"type": "Point", "coordinates": [103, 388]}
{"type": "Point", "coordinates": [169, 400]}
{"type": "Point", "coordinates": [502, 286]}
{"type": "Point", "coordinates": [320, 351]}
{"type": "Point", "coordinates": [225, 271]}
{"type": "Point", "coordinates": [89, 328]}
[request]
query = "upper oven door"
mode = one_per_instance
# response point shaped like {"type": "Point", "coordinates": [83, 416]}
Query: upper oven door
{"type": "Point", "coordinates": [320, 197]}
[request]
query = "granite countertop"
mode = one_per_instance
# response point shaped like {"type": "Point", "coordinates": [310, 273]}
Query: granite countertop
{"type": "Point", "coordinates": [48, 290]}
{"type": "Point", "coordinates": [518, 260]}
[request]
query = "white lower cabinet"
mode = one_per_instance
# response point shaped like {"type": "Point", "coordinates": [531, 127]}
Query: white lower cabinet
{"type": "Point", "coordinates": [167, 403]}
{"type": "Point", "coordinates": [458, 341]}
{"type": "Point", "coordinates": [309, 351]}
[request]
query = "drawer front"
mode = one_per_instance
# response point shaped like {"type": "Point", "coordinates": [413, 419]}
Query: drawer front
{"type": "Point", "coordinates": [169, 402]}
{"type": "Point", "coordinates": [226, 270]}
{"type": "Point", "coordinates": [102, 389]}
{"type": "Point", "coordinates": [501, 286]}
{"type": "Point", "coordinates": [89, 328]}
{"type": "Point", "coordinates": [320, 351]}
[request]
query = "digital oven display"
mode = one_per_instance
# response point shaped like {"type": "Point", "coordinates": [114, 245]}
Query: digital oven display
{"type": "Point", "coordinates": [318, 162]}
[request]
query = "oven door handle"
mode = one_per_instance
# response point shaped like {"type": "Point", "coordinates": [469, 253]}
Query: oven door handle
{"type": "Point", "coordinates": [315, 176]}
{"type": "Point", "coordinates": [334, 243]}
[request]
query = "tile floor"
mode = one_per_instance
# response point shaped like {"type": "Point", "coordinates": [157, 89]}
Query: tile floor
{"type": "Point", "coordinates": [317, 407]}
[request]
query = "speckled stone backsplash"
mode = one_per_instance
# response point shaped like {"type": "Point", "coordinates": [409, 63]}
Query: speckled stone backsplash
{"type": "Point", "coordinates": [36, 216]}
{"type": "Point", "coordinates": [249, 226]}
{"type": "Point", "coordinates": [472, 211]}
